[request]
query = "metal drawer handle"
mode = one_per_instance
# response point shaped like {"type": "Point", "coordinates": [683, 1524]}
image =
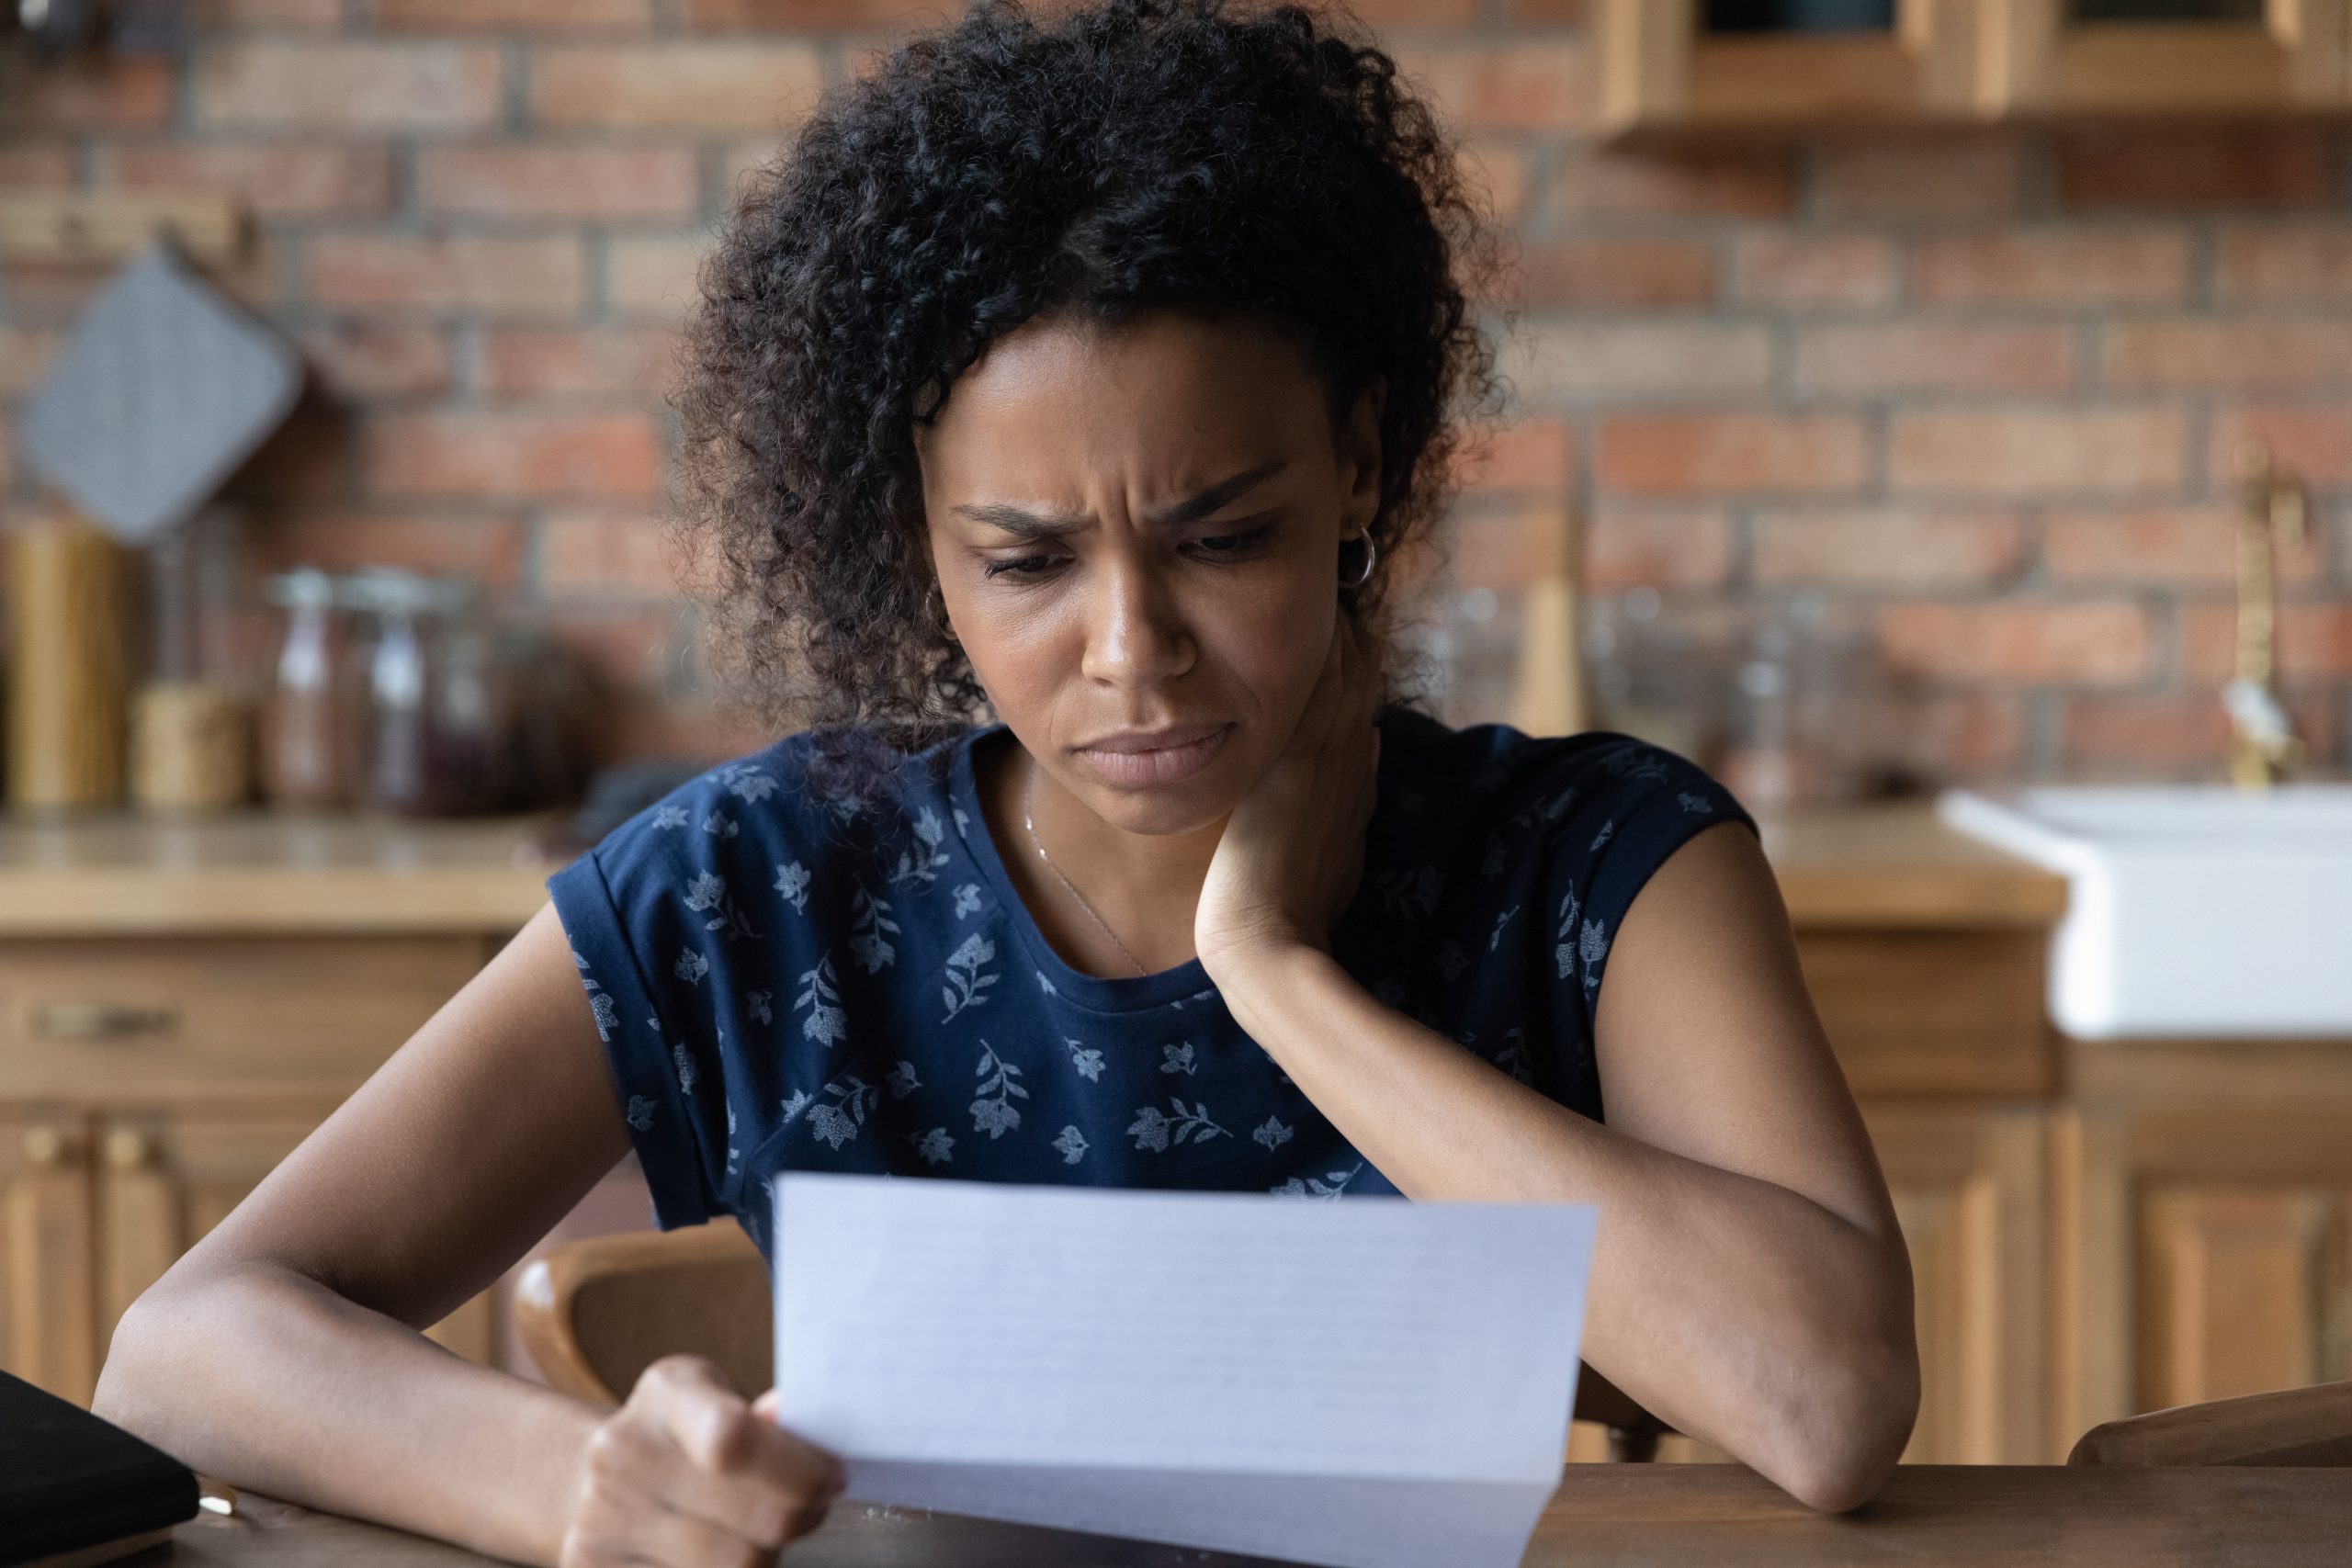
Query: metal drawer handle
{"type": "Point", "coordinates": [101, 1020]}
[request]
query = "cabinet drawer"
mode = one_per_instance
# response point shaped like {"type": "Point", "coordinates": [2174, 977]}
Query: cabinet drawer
{"type": "Point", "coordinates": [1950, 1012]}
{"type": "Point", "coordinates": [135, 1017]}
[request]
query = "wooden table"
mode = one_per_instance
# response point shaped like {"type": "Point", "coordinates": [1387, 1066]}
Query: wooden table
{"type": "Point", "coordinates": [1638, 1515]}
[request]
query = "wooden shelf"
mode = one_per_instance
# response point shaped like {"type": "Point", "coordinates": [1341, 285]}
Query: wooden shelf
{"type": "Point", "coordinates": [1966, 63]}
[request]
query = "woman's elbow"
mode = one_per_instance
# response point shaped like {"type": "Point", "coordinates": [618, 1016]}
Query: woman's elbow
{"type": "Point", "coordinates": [1852, 1432]}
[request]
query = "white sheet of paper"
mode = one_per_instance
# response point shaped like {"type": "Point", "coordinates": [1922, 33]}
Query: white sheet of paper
{"type": "Point", "coordinates": [1367, 1383]}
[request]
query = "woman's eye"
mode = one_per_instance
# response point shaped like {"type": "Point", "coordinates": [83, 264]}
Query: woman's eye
{"type": "Point", "coordinates": [1216, 547]}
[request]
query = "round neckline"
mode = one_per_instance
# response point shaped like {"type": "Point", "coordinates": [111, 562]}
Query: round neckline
{"type": "Point", "coordinates": [1098, 993]}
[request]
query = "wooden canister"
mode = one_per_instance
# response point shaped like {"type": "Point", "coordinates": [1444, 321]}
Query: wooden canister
{"type": "Point", "coordinates": [67, 665]}
{"type": "Point", "coordinates": [191, 749]}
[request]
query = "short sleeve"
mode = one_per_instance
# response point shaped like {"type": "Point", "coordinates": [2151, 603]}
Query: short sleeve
{"type": "Point", "coordinates": [1629, 806]}
{"type": "Point", "coordinates": [678, 933]}
{"type": "Point", "coordinates": [657, 1090]}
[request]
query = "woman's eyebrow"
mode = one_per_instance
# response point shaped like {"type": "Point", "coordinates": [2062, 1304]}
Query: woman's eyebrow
{"type": "Point", "coordinates": [1043, 525]}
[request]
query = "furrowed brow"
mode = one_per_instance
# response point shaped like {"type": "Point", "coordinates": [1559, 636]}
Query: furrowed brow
{"type": "Point", "coordinates": [1028, 525]}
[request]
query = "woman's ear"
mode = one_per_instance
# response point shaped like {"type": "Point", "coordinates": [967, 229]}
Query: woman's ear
{"type": "Point", "coordinates": [1360, 463]}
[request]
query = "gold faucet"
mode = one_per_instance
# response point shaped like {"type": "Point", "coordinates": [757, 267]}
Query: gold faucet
{"type": "Point", "coordinates": [2263, 748]}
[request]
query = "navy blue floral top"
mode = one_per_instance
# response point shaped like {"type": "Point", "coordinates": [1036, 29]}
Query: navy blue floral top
{"type": "Point", "coordinates": [783, 980]}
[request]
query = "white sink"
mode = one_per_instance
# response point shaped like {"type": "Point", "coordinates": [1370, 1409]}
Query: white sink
{"type": "Point", "coordinates": [2191, 910]}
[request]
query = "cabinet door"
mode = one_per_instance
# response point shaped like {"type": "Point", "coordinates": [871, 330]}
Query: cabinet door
{"type": "Point", "coordinates": [2115, 56]}
{"type": "Point", "coordinates": [1968, 1187]}
{"type": "Point", "coordinates": [166, 1179]}
{"type": "Point", "coordinates": [47, 1336]}
{"type": "Point", "coordinates": [2244, 1287]}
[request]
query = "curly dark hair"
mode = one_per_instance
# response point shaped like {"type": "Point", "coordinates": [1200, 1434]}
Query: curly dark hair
{"type": "Point", "coordinates": [1127, 157]}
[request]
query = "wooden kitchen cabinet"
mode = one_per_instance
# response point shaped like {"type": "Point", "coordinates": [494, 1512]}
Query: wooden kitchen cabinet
{"type": "Point", "coordinates": [48, 1252]}
{"type": "Point", "coordinates": [180, 1006]}
{"type": "Point", "coordinates": [2202, 1195]}
{"type": "Point", "coordinates": [1971, 1189]}
{"type": "Point", "coordinates": [1960, 61]}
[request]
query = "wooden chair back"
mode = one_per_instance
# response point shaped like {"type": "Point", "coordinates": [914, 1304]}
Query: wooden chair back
{"type": "Point", "coordinates": [595, 1312]}
{"type": "Point", "coordinates": [2294, 1427]}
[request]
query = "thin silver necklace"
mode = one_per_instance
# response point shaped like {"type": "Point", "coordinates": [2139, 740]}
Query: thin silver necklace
{"type": "Point", "coordinates": [1028, 789]}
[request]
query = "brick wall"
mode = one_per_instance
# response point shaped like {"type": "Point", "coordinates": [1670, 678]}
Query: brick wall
{"type": "Point", "coordinates": [1979, 388]}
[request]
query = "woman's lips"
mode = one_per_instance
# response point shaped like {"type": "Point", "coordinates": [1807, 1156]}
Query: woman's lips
{"type": "Point", "coordinates": [1165, 765]}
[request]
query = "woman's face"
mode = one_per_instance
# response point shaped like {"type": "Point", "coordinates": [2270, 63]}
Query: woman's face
{"type": "Point", "coordinates": [1140, 529]}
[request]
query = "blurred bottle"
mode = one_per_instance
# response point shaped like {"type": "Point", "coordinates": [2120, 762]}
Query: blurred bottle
{"type": "Point", "coordinates": [68, 663]}
{"type": "Point", "coordinates": [306, 739]}
{"type": "Point", "coordinates": [191, 733]}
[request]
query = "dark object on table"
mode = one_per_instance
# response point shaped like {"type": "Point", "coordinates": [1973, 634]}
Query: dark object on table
{"type": "Point", "coordinates": [70, 1479]}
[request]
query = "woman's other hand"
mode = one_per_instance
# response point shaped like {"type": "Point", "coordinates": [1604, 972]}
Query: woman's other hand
{"type": "Point", "coordinates": [689, 1474]}
{"type": "Point", "coordinates": [1292, 854]}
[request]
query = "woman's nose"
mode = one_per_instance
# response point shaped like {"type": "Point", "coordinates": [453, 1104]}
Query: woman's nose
{"type": "Point", "coordinates": [1135, 634]}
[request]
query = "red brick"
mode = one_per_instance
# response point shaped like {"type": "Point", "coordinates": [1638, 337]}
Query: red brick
{"type": "Point", "coordinates": [2314, 443]}
{"type": "Point", "coordinates": [485, 545]}
{"type": "Point", "coordinates": [38, 292]}
{"type": "Point", "coordinates": [95, 93]}
{"type": "Point", "coordinates": [2162, 544]}
{"type": "Point", "coordinates": [2182, 735]}
{"type": "Point", "coordinates": [2150, 166]}
{"type": "Point", "coordinates": [814, 16]}
{"type": "Point", "coordinates": [2053, 267]}
{"type": "Point", "coordinates": [271, 179]}
{"type": "Point", "coordinates": [2301, 264]}
{"type": "Point", "coordinates": [406, 272]}
{"type": "Point", "coordinates": [2085, 642]}
{"type": "Point", "coordinates": [2022, 451]}
{"type": "Point", "coordinates": [281, 85]}
{"type": "Point", "coordinates": [1488, 547]}
{"type": "Point", "coordinates": [1655, 546]}
{"type": "Point", "coordinates": [1549, 13]}
{"type": "Point", "coordinates": [1407, 15]}
{"type": "Point", "coordinates": [654, 276]}
{"type": "Point", "coordinates": [36, 166]}
{"type": "Point", "coordinates": [589, 554]}
{"type": "Point", "coordinates": [1528, 83]}
{"type": "Point", "coordinates": [25, 353]}
{"type": "Point", "coordinates": [561, 362]}
{"type": "Point", "coordinates": [1529, 455]}
{"type": "Point", "coordinates": [1948, 356]}
{"type": "Point", "coordinates": [514, 16]}
{"type": "Point", "coordinates": [1639, 358]}
{"type": "Point", "coordinates": [1600, 181]}
{"type": "Point", "coordinates": [1929, 738]}
{"type": "Point", "coordinates": [306, 16]}
{"type": "Point", "coordinates": [1496, 173]}
{"type": "Point", "coordinates": [1699, 454]}
{"type": "Point", "coordinates": [512, 455]}
{"type": "Point", "coordinates": [369, 361]}
{"type": "Point", "coordinates": [1888, 545]}
{"type": "Point", "coordinates": [1939, 176]}
{"type": "Point", "coordinates": [2315, 640]}
{"type": "Point", "coordinates": [1617, 273]}
{"type": "Point", "coordinates": [739, 85]}
{"type": "Point", "coordinates": [1779, 267]}
{"type": "Point", "coordinates": [593, 184]}
{"type": "Point", "coordinates": [2237, 355]}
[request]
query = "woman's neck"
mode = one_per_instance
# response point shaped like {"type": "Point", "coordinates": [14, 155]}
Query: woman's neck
{"type": "Point", "coordinates": [1145, 886]}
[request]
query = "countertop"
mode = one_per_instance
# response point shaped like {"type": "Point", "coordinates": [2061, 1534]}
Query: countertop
{"type": "Point", "coordinates": [1887, 865]}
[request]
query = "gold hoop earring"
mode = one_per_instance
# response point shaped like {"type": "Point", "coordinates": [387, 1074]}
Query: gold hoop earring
{"type": "Point", "coordinates": [1370, 554]}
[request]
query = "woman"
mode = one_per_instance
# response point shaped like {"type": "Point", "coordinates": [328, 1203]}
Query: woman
{"type": "Point", "coordinates": [1102, 374]}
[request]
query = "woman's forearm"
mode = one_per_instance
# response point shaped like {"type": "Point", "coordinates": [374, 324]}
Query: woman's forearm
{"type": "Point", "coordinates": [269, 1379]}
{"type": "Point", "coordinates": [1741, 1312]}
